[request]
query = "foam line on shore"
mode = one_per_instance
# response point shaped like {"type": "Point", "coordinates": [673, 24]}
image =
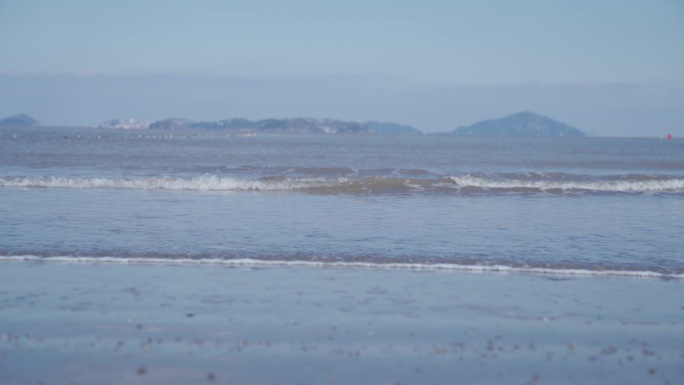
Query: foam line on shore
{"type": "Point", "coordinates": [340, 264]}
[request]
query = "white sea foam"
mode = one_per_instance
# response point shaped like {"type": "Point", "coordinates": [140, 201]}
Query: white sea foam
{"type": "Point", "coordinates": [339, 264]}
{"type": "Point", "coordinates": [633, 185]}
{"type": "Point", "coordinates": [200, 183]}
{"type": "Point", "coordinates": [350, 184]}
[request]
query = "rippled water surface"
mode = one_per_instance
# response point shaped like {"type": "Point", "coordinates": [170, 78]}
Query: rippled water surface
{"type": "Point", "coordinates": [589, 205]}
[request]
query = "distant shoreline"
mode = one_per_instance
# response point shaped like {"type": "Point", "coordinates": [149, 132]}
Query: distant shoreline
{"type": "Point", "coordinates": [522, 124]}
{"type": "Point", "coordinates": [147, 131]}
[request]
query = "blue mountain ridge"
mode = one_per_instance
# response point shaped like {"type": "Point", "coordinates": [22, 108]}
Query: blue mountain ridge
{"type": "Point", "coordinates": [522, 124]}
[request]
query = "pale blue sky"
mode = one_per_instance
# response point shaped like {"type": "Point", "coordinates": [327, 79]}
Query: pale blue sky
{"type": "Point", "coordinates": [388, 44]}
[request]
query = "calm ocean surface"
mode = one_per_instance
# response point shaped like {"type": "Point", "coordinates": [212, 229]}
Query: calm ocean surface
{"type": "Point", "coordinates": [591, 206]}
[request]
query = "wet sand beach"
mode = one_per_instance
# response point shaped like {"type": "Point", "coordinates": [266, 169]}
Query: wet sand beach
{"type": "Point", "coordinates": [169, 324]}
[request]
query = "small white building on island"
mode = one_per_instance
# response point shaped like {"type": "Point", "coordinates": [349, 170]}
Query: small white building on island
{"type": "Point", "coordinates": [124, 124]}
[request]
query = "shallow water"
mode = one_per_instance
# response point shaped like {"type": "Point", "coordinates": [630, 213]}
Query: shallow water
{"type": "Point", "coordinates": [591, 233]}
{"type": "Point", "coordinates": [570, 205]}
{"type": "Point", "coordinates": [196, 257]}
{"type": "Point", "coordinates": [86, 323]}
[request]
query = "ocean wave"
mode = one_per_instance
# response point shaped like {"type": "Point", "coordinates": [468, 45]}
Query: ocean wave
{"type": "Point", "coordinates": [390, 265]}
{"type": "Point", "coordinates": [633, 183]}
{"type": "Point", "coordinates": [200, 183]}
{"type": "Point", "coordinates": [463, 184]}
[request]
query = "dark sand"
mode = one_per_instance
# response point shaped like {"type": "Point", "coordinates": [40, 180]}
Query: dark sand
{"type": "Point", "coordinates": [196, 324]}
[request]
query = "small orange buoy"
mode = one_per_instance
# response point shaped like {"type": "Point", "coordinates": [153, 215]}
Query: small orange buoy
{"type": "Point", "coordinates": [669, 136]}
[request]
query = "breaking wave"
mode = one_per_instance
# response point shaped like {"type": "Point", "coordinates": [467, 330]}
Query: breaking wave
{"type": "Point", "coordinates": [201, 183]}
{"type": "Point", "coordinates": [528, 183]}
{"type": "Point", "coordinates": [630, 184]}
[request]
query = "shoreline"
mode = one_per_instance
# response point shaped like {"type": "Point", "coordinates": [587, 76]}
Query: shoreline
{"type": "Point", "coordinates": [311, 263]}
{"type": "Point", "coordinates": [177, 324]}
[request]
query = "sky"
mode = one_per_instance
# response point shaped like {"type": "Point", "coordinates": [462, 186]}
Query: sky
{"type": "Point", "coordinates": [607, 67]}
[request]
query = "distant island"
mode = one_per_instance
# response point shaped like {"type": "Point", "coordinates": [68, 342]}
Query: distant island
{"type": "Point", "coordinates": [392, 128]}
{"type": "Point", "coordinates": [523, 124]}
{"type": "Point", "coordinates": [288, 126]}
{"type": "Point", "coordinates": [244, 126]}
{"type": "Point", "coordinates": [20, 120]}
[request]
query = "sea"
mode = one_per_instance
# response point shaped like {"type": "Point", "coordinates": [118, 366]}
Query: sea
{"type": "Point", "coordinates": [565, 206]}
